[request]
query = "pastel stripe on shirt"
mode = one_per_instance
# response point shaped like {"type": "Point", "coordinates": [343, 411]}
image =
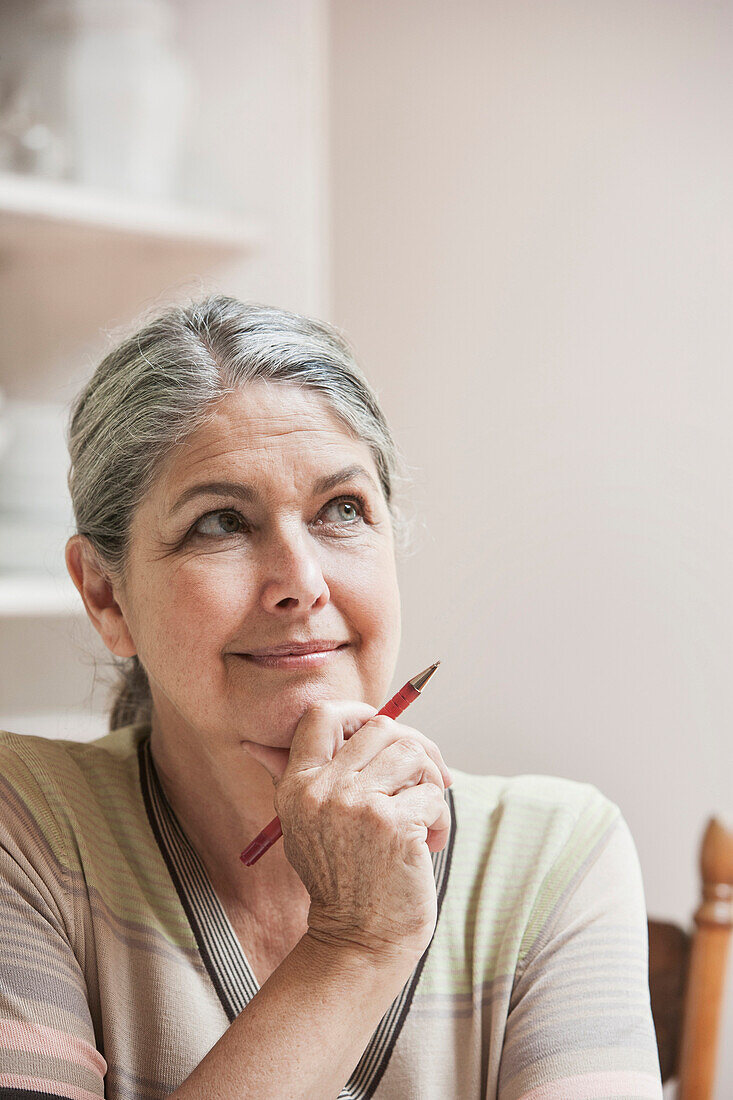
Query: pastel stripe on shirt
{"type": "Point", "coordinates": [119, 967]}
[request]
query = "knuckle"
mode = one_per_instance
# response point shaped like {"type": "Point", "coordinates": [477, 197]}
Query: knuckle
{"type": "Point", "coordinates": [435, 772]}
{"type": "Point", "coordinates": [431, 746]}
{"type": "Point", "coordinates": [382, 722]}
{"type": "Point", "coordinates": [311, 800]}
{"type": "Point", "coordinates": [339, 800]}
{"type": "Point", "coordinates": [374, 817]}
{"type": "Point", "coordinates": [408, 746]}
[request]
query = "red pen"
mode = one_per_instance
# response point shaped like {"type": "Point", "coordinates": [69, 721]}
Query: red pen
{"type": "Point", "coordinates": [399, 702]}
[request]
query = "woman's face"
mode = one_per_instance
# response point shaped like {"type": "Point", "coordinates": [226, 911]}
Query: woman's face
{"type": "Point", "coordinates": [274, 557]}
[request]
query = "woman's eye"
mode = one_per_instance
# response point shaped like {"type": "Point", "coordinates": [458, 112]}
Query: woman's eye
{"type": "Point", "coordinates": [219, 523]}
{"type": "Point", "coordinates": [342, 512]}
{"type": "Point", "coordinates": [344, 509]}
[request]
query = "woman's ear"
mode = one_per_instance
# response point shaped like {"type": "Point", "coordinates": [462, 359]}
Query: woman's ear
{"type": "Point", "coordinates": [97, 592]}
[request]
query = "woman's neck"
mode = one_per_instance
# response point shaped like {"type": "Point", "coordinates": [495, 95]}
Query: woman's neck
{"type": "Point", "coordinates": [221, 804]}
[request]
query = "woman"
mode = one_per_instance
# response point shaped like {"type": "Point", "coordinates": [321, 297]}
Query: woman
{"type": "Point", "coordinates": [415, 934]}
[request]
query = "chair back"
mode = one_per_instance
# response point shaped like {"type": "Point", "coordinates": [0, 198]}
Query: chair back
{"type": "Point", "coordinates": [687, 974]}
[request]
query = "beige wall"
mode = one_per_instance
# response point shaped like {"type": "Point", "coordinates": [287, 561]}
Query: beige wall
{"type": "Point", "coordinates": [532, 245]}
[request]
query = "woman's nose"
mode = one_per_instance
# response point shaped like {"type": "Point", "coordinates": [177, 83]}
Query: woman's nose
{"type": "Point", "coordinates": [294, 578]}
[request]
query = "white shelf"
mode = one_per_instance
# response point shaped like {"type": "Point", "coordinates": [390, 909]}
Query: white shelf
{"type": "Point", "coordinates": [28, 595]}
{"type": "Point", "coordinates": [61, 212]}
{"type": "Point", "coordinates": [77, 264]}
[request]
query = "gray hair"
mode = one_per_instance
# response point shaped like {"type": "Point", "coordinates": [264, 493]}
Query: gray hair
{"type": "Point", "coordinates": [160, 385]}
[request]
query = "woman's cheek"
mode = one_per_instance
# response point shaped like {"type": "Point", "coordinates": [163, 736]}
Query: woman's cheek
{"type": "Point", "coordinates": [379, 590]}
{"type": "Point", "coordinates": [211, 584]}
{"type": "Point", "coordinates": [372, 602]}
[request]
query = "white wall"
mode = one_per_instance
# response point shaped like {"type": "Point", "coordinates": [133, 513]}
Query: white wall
{"type": "Point", "coordinates": [532, 245]}
{"type": "Point", "coordinates": [256, 144]}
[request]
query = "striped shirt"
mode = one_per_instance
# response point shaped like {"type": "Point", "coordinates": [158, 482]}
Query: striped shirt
{"type": "Point", "coordinates": [119, 969]}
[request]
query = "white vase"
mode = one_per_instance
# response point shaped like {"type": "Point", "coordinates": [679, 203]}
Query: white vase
{"type": "Point", "coordinates": [36, 516]}
{"type": "Point", "coordinates": [104, 76]}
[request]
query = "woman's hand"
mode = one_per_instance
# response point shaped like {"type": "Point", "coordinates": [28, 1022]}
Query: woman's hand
{"type": "Point", "coordinates": [361, 802]}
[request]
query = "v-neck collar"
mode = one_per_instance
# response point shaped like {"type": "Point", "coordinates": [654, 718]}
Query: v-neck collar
{"type": "Point", "coordinates": [221, 952]}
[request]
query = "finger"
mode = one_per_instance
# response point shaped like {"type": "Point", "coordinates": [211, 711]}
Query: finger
{"type": "Point", "coordinates": [439, 831]}
{"type": "Point", "coordinates": [424, 811]}
{"type": "Point", "coordinates": [275, 761]}
{"type": "Point", "coordinates": [322, 730]}
{"type": "Point", "coordinates": [438, 838]}
{"type": "Point", "coordinates": [376, 734]}
{"type": "Point", "coordinates": [404, 763]}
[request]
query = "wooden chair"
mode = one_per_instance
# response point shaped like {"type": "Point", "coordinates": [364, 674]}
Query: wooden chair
{"type": "Point", "coordinates": [687, 974]}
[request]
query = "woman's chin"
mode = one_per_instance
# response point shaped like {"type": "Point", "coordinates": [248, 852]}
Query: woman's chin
{"type": "Point", "coordinates": [279, 722]}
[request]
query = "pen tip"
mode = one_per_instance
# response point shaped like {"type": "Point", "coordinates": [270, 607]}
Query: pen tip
{"type": "Point", "coordinates": [419, 681]}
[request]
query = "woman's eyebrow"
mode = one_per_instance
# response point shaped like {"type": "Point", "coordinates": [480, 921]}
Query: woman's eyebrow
{"type": "Point", "coordinates": [248, 493]}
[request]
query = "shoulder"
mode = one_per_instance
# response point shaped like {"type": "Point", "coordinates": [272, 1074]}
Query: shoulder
{"type": "Point", "coordinates": [523, 843]}
{"type": "Point", "coordinates": [45, 762]}
{"type": "Point", "coordinates": [539, 790]}
{"type": "Point", "coordinates": [536, 810]}
{"type": "Point", "coordinates": [48, 785]}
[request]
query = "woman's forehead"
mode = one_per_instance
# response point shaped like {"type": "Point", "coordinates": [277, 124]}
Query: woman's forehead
{"type": "Point", "coordinates": [264, 427]}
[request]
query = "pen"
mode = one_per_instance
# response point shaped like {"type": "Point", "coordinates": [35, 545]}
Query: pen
{"type": "Point", "coordinates": [399, 702]}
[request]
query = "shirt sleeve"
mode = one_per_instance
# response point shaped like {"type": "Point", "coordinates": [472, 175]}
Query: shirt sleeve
{"type": "Point", "coordinates": [580, 1025]}
{"type": "Point", "coordinates": [47, 1041]}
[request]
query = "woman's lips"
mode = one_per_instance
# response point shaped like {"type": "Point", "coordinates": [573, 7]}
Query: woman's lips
{"type": "Point", "coordinates": [293, 660]}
